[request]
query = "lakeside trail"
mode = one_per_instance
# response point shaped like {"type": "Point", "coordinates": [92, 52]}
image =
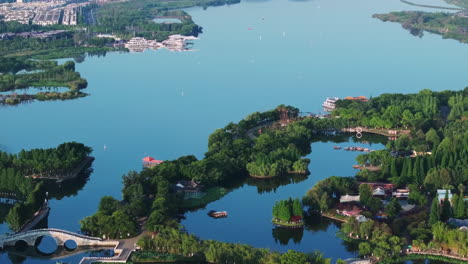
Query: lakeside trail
{"type": "Point", "coordinates": [334, 218]}
{"type": "Point", "coordinates": [437, 253]}
{"type": "Point", "coordinates": [124, 249]}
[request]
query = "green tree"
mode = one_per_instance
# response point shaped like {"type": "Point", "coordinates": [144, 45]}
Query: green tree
{"type": "Point", "coordinates": [108, 205]}
{"type": "Point", "coordinates": [365, 249]}
{"type": "Point", "coordinates": [459, 205]}
{"type": "Point", "coordinates": [446, 212]}
{"type": "Point", "coordinates": [365, 194]}
{"type": "Point", "coordinates": [433, 137]}
{"type": "Point", "coordinates": [434, 216]}
{"type": "Point", "coordinates": [297, 208]}
{"type": "Point", "coordinates": [393, 208]}
{"type": "Point", "coordinates": [294, 257]}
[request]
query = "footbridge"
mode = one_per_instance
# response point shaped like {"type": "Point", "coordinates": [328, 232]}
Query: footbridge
{"type": "Point", "coordinates": [60, 236]}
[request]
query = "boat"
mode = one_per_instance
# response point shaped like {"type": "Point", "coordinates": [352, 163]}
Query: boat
{"type": "Point", "coordinates": [218, 214]}
{"type": "Point", "coordinates": [329, 104]}
{"type": "Point", "coordinates": [336, 147]}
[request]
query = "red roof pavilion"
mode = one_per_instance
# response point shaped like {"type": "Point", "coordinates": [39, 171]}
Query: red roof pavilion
{"type": "Point", "coordinates": [152, 160]}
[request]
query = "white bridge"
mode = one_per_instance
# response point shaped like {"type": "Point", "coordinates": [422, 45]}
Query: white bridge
{"type": "Point", "coordinates": [60, 236]}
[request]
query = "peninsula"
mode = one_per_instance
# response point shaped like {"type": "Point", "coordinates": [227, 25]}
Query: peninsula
{"type": "Point", "coordinates": [452, 25]}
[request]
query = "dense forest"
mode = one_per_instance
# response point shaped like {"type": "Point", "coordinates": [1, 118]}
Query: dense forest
{"type": "Point", "coordinates": [438, 161]}
{"type": "Point", "coordinates": [180, 243]}
{"type": "Point", "coordinates": [437, 121]}
{"type": "Point", "coordinates": [448, 25]}
{"type": "Point", "coordinates": [30, 193]}
{"type": "Point", "coordinates": [63, 158]}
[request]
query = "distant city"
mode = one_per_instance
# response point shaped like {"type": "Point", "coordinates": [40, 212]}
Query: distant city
{"type": "Point", "coordinates": [42, 12]}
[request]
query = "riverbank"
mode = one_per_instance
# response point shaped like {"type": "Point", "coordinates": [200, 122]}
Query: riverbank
{"type": "Point", "coordinates": [432, 6]}
{"type": "Point", "coordinates": [289, 224]}
{"type": "Point", "coordinates": [451, 26]}
{"type": "Point", "coordinates": [411, 255]}
{"type": "Point", "coordinates": [335, 217]}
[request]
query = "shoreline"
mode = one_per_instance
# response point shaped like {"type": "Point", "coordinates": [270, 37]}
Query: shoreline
{"type": "Point", "coordinates": [270, 177]}
{"type": "Point", "coordinates": [333, 217]}
{"type": "Point", "coordinates": [432, 6]}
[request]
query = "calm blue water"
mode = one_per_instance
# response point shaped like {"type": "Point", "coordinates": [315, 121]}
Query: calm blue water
{"type": "Point", "coordinates": [165, 104]}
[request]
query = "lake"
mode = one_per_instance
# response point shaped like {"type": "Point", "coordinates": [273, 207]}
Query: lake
{"type": "Point", "coordinates": [165, 104]}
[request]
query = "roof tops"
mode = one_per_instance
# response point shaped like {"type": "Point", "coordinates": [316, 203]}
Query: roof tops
{"type": "Point", "coordinates": [152, 160]}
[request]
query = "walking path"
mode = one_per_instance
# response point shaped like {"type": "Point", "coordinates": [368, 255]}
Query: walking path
{"type": "Point", "coordinates": [123, 250]}
{"type": "Point", "coordinates": [437, 253]}
{"type": "Point", "coordinates": [334, 218]}
{"type": "Point", "coordinates": [42, 213]}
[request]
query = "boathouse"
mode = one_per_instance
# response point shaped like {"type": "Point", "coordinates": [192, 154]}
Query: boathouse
{"type": "Point", "coordinates": [190, 189]}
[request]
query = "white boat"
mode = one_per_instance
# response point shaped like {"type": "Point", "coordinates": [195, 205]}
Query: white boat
{"type": "Point", "coordinates": [329, 103]}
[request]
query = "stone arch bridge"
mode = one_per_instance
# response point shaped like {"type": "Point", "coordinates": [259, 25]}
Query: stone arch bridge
{"type": "Point", "coordinates": [60, 236]}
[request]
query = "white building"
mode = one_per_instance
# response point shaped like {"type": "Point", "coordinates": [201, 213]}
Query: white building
{"type": "Point", "coordinates": [441, 195]}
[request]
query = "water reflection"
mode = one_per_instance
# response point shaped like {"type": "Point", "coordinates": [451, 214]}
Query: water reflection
{"type": "Point", "coordinates": [284, 235]}
{"type": "Point", "coordinates": [4, 209]}
{"type": "Point", "coordinates": [18, 254]}
{"type": "Point", "coordinates": [70, 187]}
{"type": "Point", "coordinates": [55, 191]}
{"type": "Point", "coordinates": [46, 245]}
{"type": "Point", "coordinates": [313, 223]}
{"type": "Point", "coordinates": [272, 184]}
{"type": "Point", "coordinates": [80, 57]}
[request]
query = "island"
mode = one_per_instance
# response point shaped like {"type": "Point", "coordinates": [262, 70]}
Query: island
{"type": "Point", "coordinates": [408, 209]}
{"type": "Point", "coordinates": [288, 213]}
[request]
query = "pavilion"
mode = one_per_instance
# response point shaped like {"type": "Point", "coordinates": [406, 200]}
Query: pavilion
{"type": "Point", "coordinates": [149, 162]}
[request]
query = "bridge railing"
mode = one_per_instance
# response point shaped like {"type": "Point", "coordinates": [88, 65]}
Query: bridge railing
{"type": "Point", "coordinates": [38, 231]}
